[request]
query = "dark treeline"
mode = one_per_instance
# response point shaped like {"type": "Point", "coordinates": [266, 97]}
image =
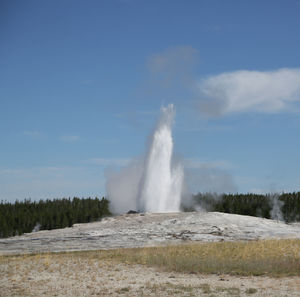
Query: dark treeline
{"type": "Point", "coordinates": [25, 216]}
{"type": "Point", "coordinates": [284, 206]}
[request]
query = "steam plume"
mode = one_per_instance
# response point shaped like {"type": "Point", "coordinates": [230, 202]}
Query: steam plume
{"type": "Point", "coordinates": [154, 182]}
{"type": "Point", "coordinates": [276, 212]}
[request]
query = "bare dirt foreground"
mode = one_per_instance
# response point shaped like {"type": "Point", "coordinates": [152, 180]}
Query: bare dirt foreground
{"type": "Point", "coordinates": [57, 275]}
{"type": "Point", "coordinates": [25, 271]}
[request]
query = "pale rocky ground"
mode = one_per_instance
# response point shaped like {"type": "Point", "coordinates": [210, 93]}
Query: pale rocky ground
{"type": "Point", "coordinates": [140, 230]}
{"type": "Point", "coordinates": [60, 276]}
{"type": "Point", "coordinates": [45, 275]}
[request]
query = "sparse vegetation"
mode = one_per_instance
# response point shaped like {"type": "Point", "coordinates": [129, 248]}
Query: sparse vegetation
{"type": "Point", "coordinates": [251, 291]}
{"type": "Point", "coordinates": [85, 270]}
{"type": "Point", "coordinates": [266, 257]}
{"type": "Point", "coordinates": [205, 288]}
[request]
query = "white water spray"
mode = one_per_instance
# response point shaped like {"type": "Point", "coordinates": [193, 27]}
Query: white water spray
{"type": "Point", "coordinates": [161, 183]}
{"type": "Point", "coordinates": [154, 182]}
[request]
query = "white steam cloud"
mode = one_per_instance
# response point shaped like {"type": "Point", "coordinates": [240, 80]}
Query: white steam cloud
{"type": "Point", "coordinates": [276, 204]}
{"type": "Point", "coordinates": [154, 182]}
{"type": "Point", "coordinates": [122, 187]}
{"type": "Point", "coordinates": [243, 91]}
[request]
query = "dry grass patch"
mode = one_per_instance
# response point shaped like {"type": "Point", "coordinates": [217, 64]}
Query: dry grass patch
{"type": "Point", "coordinates": [265, 257]}
{"type": "Point", "coordinates": [113, 273]}
{"type": "Point", "coordinates": [251, 291]}
{"type": "Point", "coordinates": [232, 291]}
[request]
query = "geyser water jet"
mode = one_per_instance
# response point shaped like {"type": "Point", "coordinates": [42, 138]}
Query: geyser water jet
{"type": "Point", "coordinates": [154, 182]}
{"type": "Point", "coordinates": [161, 183]}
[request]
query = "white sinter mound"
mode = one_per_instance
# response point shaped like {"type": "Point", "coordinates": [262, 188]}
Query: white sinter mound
{"type": "Point", "coordinates": [151, 229]}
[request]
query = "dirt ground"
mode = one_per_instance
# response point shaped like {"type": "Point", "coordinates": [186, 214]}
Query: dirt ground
{"type": "Point", "coordinates": [61, 274]}
{"type": "Point", "coordinates": [48, 275]}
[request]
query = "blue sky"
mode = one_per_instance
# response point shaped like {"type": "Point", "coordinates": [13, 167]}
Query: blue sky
{"type": "Point", "coordinates": [82, 83]}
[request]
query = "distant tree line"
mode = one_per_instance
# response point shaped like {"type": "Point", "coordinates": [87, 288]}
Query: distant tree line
{"type": "Point", "coordinates": [284, 206]}
{"type": "Point", "coordinates": [27, 216]}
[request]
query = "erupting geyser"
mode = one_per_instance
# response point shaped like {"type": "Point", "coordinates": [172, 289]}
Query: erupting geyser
{"type": "Point", "coordinates": [161, 183]}
{"type": "Point", "coordinates": [154, 182]}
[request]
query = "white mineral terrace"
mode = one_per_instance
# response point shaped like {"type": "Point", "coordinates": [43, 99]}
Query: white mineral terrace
{"type": "Point", "coordinates": [150, 229]}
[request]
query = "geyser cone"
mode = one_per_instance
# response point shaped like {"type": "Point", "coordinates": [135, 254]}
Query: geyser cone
{"type": "Point", "coordinates": [161, 182]}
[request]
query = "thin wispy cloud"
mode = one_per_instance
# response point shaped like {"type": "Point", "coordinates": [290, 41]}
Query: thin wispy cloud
{"type": "Point", "coordinates": [173, 76]}
{"type": "Point", "coordinates": [171, 72]}
{"type": "Point", "coordinates": [173, 61]}
{"type": "Point", "coordinates": [136, 118]}
{"type": "Point", "coordinates": [249, 91]}
{"type": "Point", "coordinates": [32, 133]}
{"type": "Point", "coordinates": [203, 126]}
{"type": "Point", "coordinates": [200, 164]}
{"type": "Point", "coordinates": [209, 176]}
{"type": "Point", "coordinates": [69, 138]}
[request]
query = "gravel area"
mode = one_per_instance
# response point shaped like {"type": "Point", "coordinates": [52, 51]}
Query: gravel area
{"type": "Point", "coordinates": [57, 275]}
